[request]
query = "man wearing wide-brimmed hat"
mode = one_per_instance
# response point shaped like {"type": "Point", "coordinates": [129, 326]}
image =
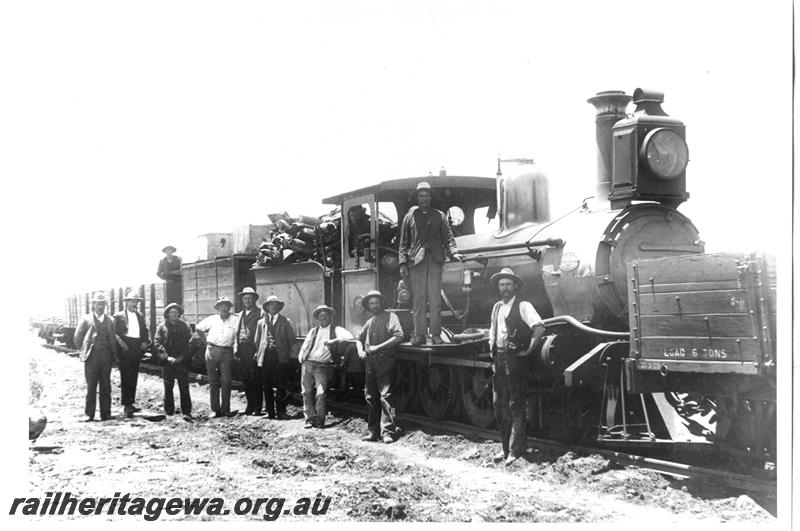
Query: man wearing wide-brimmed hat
{"type": "Point", "coordinates": [220, 330]}
{"type": "Point", "coordinates": [97, 337]}
{"type": "Point", "coordinates": [275, 339]}
{"type": "Point", "coordinates": [316, 364]}
{"type": "Point", "coordinates": [426, 240]}
{"type": "Point", "coordinates": [132, 329]}
{"type": "Point", "coordinates": [515, 329]}
{"type": "Point", "coordinates": [376, 345]}
{"type": "Point", "coordinates": [246, 349]}
{"type": "Point", "coordinates": [169, 270]}
{"type": "Point", "coordinates": [172, 345]}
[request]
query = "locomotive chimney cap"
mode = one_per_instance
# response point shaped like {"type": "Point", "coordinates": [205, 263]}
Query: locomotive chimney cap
{"type": "Point", "coordinates": [610, 102]}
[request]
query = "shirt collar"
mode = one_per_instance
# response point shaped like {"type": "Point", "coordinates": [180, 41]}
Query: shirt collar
{"type": "Point", "coordinates": [100, 317]}
{"type": "Point", "coordinates": [510, 302]}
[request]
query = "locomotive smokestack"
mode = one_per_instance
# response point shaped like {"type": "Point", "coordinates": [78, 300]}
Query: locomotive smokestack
{"type": "Point", "coordinates": [610, 105]}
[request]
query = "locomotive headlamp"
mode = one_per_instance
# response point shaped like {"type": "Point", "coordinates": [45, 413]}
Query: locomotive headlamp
{"type": "Point", "coordinates": [665, 153]}
{"type": "Point", "coordinates": [649, 154]}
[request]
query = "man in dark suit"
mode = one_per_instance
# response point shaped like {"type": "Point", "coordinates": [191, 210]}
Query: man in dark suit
{"type": "Point", "coordinates": [245, 351]}
{"type": "Point", "coordinates": [426, 240]}
{"type": "Point", "coordinates": [96, 336]}
{"type": "Point", "coordinates": [172, 345]}
{"type": "Point", "coordinates": [132, 330]}
{"type": "Point", "coordinates": [275, 339]}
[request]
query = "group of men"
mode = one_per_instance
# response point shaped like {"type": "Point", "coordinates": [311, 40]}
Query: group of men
{"type": "Point", "coordinates": [262, 340]}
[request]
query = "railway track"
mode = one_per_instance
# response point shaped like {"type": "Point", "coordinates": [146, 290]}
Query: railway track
{"type": "Point", "coordinates": [741, 482]}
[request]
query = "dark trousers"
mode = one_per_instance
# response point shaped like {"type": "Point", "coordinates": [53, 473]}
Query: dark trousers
{"type": "Point", "coordinates": [378, 394]}
{"type": "Point", "coordinates": [508, 382]}
{"type": "Point", "coordinates": [97, 370]}
{"type": "Point", "coordinates": [426, 286]}
{"type": "Point", "coordinates": [181, 373]}
{"type": "Point", "coordinates": [129, 370]}
{"type": "Point", "coordinates": [251, 377]}
{"type": "Point", "coordinates": [274, 375]}
{"type": "Point", "coordinates": [219, 364]}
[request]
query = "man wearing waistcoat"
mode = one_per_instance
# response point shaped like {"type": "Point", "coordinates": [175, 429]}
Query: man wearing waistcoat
{"type": "Point", "coordinates": [376, 345]}
{"type": "Point", "coordinates": [132, 330]}
{"type": "Point", "coordinates": [316, 364]}
{"type": "Point", "coordinates": [515, 329]}
{"type": "Point", "coordinates": [426, 239]}
{"type": "Point", "coordinates": [97, 337]}
{"type": "Point", "coordinates": [246, 351]}
{"type": "Point", "coordinates": [275, 339]}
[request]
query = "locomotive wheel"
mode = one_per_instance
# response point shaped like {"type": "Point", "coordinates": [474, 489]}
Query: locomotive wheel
{"type": "Point", "coordinates": [438, 389]}
{"type": "Point", "coordinates": [405, 386]}
{"type": "Point", "coordinates": [475, 388]}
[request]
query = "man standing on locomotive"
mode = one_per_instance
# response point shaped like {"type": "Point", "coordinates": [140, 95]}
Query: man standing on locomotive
{"type": "Point", "coordinates": [316, 364]}
{"type": "Point", "coordinates": [246, 351]}
{"type": "Point", "coordinates": [376, 344]}
{"type": "Point", "coordinates": [515, 329]}
{"type": "Point", "coordinates": [221, 335]}
{"type": "Point", "coordinates": [275, 339]}
{"type": "Point", "coordinates": [425, 240]}
{"type": "Point", "coordinates": [96, 335]}
{"type": "Point", "coordinates": [132, 330]}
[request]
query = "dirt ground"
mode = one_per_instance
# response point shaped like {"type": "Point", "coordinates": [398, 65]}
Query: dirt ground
{"type": "Point", "coordinates": [422, 477]}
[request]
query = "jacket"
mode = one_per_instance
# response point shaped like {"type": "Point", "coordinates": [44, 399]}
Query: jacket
{"type": "Point", "coordinates": [174, 341]}
{"type": "Point", "coordinates": [170, 270]}
{"type": "Point", "coordinates": [437, 236]}
{"type": "Point", "coordinates": [121, 322]}
{"type": "Point", "coordinates": [284, 338]}
{"type": "Point", "coordinates": [86, 332]}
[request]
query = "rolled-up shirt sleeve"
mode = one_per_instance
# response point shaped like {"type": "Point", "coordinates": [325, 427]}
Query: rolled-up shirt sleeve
{"type": "Point", "coordinates": [529, 314]}
{"type": "Point", "coordinates": [205, 324]}
{"type": "Point", "coordinates": [394, 326]}
{"type": "Point", "coordinates": [343, 333]}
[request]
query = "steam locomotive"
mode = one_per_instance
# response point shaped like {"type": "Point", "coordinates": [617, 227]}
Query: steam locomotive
{"type": "Point", "coordinates": [649, 340]}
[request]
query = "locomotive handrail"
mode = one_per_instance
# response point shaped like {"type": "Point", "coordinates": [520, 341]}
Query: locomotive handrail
{"type": "Point", "coordinates": [568, 319]}
{"type": "Point", "coordinates": [550, 242]}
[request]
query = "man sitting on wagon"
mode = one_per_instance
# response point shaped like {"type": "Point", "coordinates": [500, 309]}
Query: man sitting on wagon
{"type": "Point", "coordinates": [317, 364]}
{"type": "Point", "coordinates": [426, 239]}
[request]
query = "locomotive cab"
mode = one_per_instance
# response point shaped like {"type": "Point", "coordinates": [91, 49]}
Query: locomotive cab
{"type": "Point", "coordinates": [371, 219]}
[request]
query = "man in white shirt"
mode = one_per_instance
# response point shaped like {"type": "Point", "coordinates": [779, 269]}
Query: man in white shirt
{"type": "Point", "coordinates": [317, 364]}
{"type": "Point", "coordinates": [135, 339]}
{"type": "Point", "coordinates": [515, 329]}
{"type": "Point", "coordinates": [220, 334]}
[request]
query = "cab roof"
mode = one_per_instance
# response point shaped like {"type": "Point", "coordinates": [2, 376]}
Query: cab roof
{"type": "Point", "coordinates": [398, 189]}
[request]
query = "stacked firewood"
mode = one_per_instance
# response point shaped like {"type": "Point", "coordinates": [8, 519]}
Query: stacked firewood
{"type": "Point", "coordinates": [319, 239]}
{"type": "Point", "coordinates": [302, 239]}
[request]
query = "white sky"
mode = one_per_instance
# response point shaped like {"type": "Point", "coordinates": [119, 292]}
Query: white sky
{"type": "Point", "coordinates": [131, 125]}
